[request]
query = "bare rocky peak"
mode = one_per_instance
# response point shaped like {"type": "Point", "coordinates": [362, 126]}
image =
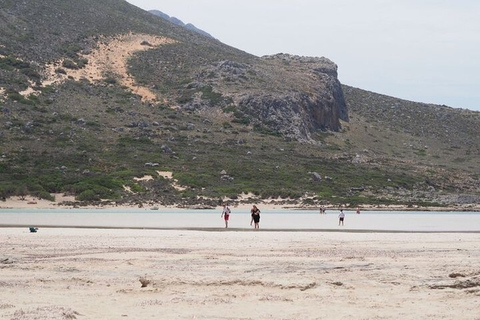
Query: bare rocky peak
{"type": "Point", "coordinates": [318, 64]}
{"type": "Point", "coordinates": [292, 95]}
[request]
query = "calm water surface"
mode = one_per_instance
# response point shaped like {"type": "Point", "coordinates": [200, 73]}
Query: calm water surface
{"type": "Point", "coordinates": [240, 219]}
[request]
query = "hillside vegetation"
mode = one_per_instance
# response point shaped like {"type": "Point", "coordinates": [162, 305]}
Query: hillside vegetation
{"type": "Point", "coordinates": [100, 99]}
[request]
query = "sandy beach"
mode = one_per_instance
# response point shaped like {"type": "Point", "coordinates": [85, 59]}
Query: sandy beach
{"type": "Point", "coordinates": [67, 273]}
{"type": "Point", "coordinates": [30, 202]}
{"type": "Point", "coordinates": [63, 201]}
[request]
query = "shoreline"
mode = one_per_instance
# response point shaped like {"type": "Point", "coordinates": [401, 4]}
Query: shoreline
{"type": "Point", "coordinates": [222, 229]}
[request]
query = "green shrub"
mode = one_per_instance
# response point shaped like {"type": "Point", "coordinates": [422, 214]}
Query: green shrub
{"type": "Point", "coordinates": [185, 97]}
{"type": "Point", "coordinates": [135, 187]}
{"type": "Point", "coordinates": [265, 130]}
{"type": "Point", "coordinates": [32, 74]}
{"type": "Point", "coordinates": [34, 99]}
{"type": "Point", "coordinates": [69, 64]}
{"type": "Point", "coordinates": [241, 118]}
{"type": "Point", "coordinates": [10, 63]}
{"type": "Point", "coordinates": [42, 194]}
{"type": "Point", "coordinates": [110, 80]}
{"type": "Point", "coordinates": [15, 96]}
{"type": "Point", "coordinates": [88, 195]}
{"type": "Point", "coordinates": [229, 109]}
{"type": "Point", "coordinates": [209, 94]}
{"type": "Point", "coordinates": [226, 125]}
{"type": "Point", "coordinates": [71, 49]}
{"type": "Point", "coordinates": [81, 63]}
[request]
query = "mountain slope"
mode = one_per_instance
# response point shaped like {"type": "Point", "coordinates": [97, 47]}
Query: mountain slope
{"type": "Point", "coordinates": [437, 142]}
{"type": "Point", "coordinates": [99, 99]}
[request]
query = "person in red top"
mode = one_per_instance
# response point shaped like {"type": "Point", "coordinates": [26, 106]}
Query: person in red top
{"type": "Point", "coordinates": [226, 214]}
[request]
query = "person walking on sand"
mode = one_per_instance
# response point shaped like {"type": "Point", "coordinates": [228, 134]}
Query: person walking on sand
{"type": "Point", "coordinates": [225, 214]}
{"type": "Point", "coordinates": [341, 217]}
{"type": "Point", "coordinates": [255, 216]}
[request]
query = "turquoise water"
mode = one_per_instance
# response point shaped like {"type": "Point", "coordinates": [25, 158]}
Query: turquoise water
{"type": "Point", "coordinates": [430, 221]}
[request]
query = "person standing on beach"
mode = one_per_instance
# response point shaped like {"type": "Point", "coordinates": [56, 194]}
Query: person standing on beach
{"type": "Point", "coordinates": [255, 216]}
{"type": "Point", "coordinates": [226, 214]}
{"type": "Point", "coordinates": [341, 217]}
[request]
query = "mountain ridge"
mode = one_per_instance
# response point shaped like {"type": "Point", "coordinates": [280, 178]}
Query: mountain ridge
{"type": "Point", "coordinates": [224, 122]}
{"type": "Point", "coordinates": [179, 22]}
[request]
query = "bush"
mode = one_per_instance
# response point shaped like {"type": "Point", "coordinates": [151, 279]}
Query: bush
{"type": "Point", "coordinates": [42, 194]}
{"type": "Point", "coordinates": [69, 64]}
{"type": "Point", "coordinates": [209, 94]}
{"type": "Point", "coordinates": [137, 188]}
{"type": "Point", "coordinates": [88, 195]}
{"type": "Point", "coordinates": [110, 80]}
{"type": "Point", "coordinates": [241, 118]}
{"type": "Point", "coordinates": [15, 96]}
{"type": "Point", "coordinates": [226, 125]}
{"type": "Point", "coordinates": [32, 74]}
{"type": "Point", "coordinates": [81, 63]}
{"type": "Point", "coordinates": [8, 63]}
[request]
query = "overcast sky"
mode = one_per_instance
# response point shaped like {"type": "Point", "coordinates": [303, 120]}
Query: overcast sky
{"type": "Point", "coordinates": [420, 50]}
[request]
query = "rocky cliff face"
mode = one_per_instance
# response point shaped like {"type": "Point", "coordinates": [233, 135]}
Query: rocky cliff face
{"type": "Point", "coordinates": [290, 95]}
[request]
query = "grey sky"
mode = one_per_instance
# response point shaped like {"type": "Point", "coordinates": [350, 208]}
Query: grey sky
{"type": "Point", "coordinates": [420, 50]}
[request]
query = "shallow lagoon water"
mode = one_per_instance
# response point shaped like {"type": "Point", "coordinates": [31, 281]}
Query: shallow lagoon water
{"type": "Point", "coordinates": [271, 219]}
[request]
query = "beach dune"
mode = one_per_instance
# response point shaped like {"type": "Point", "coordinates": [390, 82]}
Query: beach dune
{"type": "Point", "coordinates": [62, 273]}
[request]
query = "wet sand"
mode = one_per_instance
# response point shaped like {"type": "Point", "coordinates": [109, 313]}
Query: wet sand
{"type": "Point", "coordinates": [67, 273]}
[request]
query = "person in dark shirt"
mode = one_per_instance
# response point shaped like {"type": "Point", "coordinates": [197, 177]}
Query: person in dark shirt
{"type": "Point", "coordinates": [255, 216]}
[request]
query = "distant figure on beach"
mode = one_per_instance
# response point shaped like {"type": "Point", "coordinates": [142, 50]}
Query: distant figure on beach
{"type": "Point", "coordinates": [358, 210]}
{"type": "Point", "coordinates": [255, 216]}
{"type": "Point", "coordinates": [322, 210]}
{"type": "Point", "coordinates": [226, 214]}
{"type": "Point", "coordinates": [341, 217]}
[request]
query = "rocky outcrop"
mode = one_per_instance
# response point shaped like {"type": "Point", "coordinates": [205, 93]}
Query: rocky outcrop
{"type": "Point", "coordinates": [289, 95]}
{"type": "Point", "coordinates": [295, 115]}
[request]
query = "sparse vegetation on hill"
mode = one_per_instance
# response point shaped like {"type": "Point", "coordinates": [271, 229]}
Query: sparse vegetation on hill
{"type": "Point", "coordinates": [224, 122]}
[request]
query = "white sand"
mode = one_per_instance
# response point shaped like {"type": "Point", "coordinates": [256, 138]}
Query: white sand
{"type": "Point", "coordinates": [111, 56]}
{"type": "Point", "coordinates": [94, 274]}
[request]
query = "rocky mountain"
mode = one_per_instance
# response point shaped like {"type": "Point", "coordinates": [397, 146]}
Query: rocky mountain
{"type": "Point", "coordinates": [179, 22]}
{"type": "Point", "coordinates": [107, 102]}
{"type": "Point", "coordinates": [282, 104]}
